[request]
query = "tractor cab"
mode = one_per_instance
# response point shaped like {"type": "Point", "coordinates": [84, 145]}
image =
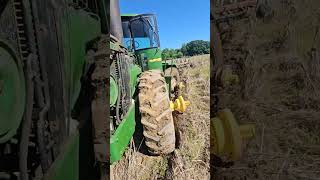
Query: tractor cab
{"type": "Point", "coordinates": [140, 36]}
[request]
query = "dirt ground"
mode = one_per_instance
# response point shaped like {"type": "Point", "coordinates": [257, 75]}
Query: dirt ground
{"type": "Point", "coordinates": [190, 160]}
{"type": "Point", "coordinates": [279, 91]}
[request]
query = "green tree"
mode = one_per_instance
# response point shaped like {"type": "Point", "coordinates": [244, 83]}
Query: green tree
{"type": "Point", "coordinates": [192, 48]}
{"type": "Point", "coordinates": [179, 54]}
{"type": "Point", "coordinates": [171, 53]}
{"type": "Point", "coordinates": [184, 50]}
{"type": "Point", "coordinates": [165, 54]}
{"type": "Point", "coordinates": [198, 47]}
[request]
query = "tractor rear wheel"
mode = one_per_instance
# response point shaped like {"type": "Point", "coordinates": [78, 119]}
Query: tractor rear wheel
{"type": "Point", "coordinates": [156, 115]}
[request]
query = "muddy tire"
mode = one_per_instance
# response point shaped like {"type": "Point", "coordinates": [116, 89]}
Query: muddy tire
{"type": "Point", "coordinates": [156, 115]}
{"type": "Point", "coordinates": [173, 71]}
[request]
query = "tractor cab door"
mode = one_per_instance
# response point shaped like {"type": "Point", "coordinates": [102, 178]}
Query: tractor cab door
{"type": "Point", "coordinates": [144, 31]}
{"type": "Point", "coordinates": [127, 38]}
{"type": "Point", "coordinates": [141, 37]}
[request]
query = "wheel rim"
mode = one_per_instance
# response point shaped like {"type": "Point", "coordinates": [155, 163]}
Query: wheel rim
{"type": "Point", "coordinates": [12, 95]}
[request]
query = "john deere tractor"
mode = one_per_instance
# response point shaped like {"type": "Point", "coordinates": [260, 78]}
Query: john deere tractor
{"type": "Point", "coordinates": [141, 85]}
{"type": "Point", "coordinates": [54, 89]}
{"type": "Point", "coordinates": [53, 65]}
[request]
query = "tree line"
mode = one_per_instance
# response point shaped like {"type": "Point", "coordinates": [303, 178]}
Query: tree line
{"type": "Point", "coordinates": [192, 48]}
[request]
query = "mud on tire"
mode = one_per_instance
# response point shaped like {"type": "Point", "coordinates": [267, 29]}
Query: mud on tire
{"type": "Point", "coordinates": [156, 115]}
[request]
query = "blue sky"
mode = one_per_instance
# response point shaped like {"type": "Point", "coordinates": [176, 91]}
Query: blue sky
{"type": "Point", "coordinates": [179, 21]}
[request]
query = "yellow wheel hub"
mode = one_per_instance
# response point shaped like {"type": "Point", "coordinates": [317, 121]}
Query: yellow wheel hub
{"type": "Point", "coordinates": [179, 105]}
{"type": "Point", "coordinates": [228, 135]}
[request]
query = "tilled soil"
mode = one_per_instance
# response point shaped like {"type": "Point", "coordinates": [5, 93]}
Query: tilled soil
{"type": "Point", "coordinates": [190, 160]}
{"type": "Point", "coordinates": [278, 91]}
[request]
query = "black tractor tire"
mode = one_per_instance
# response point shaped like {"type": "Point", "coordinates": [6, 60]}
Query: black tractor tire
{"type": "Point", "coordinates": [156, 115]}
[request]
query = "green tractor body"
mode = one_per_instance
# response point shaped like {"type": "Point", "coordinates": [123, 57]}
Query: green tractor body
{"type": "Point", "coordinates": [54, 68]}
{"type": "Point", "coordinates": [140, 42]}
{"type": "Point", "coordinates": [122, 135]}
{"type": "Point", "coordinates": [43, 61]}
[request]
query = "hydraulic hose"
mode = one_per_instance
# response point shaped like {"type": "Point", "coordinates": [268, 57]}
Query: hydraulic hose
{"type": "Point", "coordinates": [118, 104]}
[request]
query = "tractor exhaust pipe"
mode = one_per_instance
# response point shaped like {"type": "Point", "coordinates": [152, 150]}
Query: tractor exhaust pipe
{"type": "Point", "coordinates": [115, 18]}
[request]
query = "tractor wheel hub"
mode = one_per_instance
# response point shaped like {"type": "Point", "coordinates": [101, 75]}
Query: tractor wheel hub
{"type": "Point", "coordinates": [228, 135]}
{"type": "Point", "coordinates": [179, 105]}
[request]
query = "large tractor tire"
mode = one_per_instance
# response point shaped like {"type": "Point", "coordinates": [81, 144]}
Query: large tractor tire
{"type": "Point", "coordinates": [156, 115]}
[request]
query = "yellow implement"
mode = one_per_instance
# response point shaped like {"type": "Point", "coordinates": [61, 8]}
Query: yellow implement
{"type": "Point", "coordinates": [228, 135]}
{"type": "Point", "coordinates": [179, 105]}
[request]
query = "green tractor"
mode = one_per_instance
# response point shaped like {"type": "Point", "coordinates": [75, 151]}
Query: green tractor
{"type": "Point", "coordinates": [53, 64]}
{"type": "Point", "coordinates": [140, 35]}
{"type": "Point", "coordinates": [141, 85]}
{"type": "Point", "coordinates": [54, 91]}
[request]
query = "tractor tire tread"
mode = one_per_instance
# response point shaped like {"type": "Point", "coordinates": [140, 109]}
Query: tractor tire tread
{"type": "Point", "coordinates": [156, 118]}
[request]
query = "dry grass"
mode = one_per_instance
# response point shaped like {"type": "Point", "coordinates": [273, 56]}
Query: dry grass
{"type": "Point", "coordinates": [279, 92]}
{"type": "Point", "coordinates": [191, 158]}
{"type": "Point", "coordinates": [137, 166]}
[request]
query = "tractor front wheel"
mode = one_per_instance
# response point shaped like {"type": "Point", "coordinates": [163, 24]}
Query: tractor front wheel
{"type": "Point", "coordinates": [156, 115]}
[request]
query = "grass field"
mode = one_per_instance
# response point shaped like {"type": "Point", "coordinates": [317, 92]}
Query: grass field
{"type": "Point", "coordinates": [278, 91]}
